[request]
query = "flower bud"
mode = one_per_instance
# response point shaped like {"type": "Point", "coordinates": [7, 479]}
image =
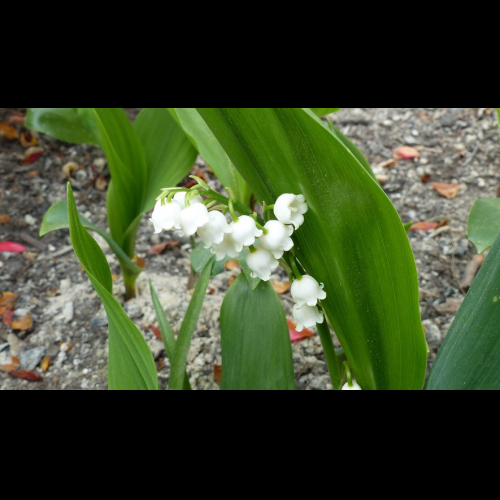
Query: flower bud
{"type": "Point", "coordinates": [166, 217]}
{"type": "Point", "coordinates": [214, 231]}
{"type": "Point", "coordinates": [262, 263]}
{"type": "Point", "coordinates": [307, 317]}
{"type": "Point", "coordinates": [276, 238]}
{"type": "Point", "coordinates": [307, 291]}
{"type": "Point", "coordinates": [290, 209]}
{"type": "Point", "coordinates": [244, 232]}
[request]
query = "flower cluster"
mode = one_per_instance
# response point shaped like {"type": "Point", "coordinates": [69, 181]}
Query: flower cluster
{"type": "Point", "coordinates": [188, 213]}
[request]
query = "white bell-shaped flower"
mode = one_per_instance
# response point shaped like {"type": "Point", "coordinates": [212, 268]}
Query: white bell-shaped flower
{"type": "Point", "coordinates": [307, 317]}
{"type": "Point", "coordinates": [262, 263]}
{"type": "Point", "coordinates": [354, 387]}
{"type": "Point", "coordinates": [225, 248]}
{"type": "Point", "coordinates": [276, 238]}
{"type": "Point", "coordinates": [192, 218]}
{"type": "Point", "coordinates": [181, 199]}
{"type": "Point", "coordinates": [214, 231]}
{"type": "Point", "coordinates": [244, 232]}
{"type": "Point", "coordinates": [166, 217]}
{"type": "Point", "coordinates": [290, 209]}
{"type": "Point", "coordinates": [307, 291]}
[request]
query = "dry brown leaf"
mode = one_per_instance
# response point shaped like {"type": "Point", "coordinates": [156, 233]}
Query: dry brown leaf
{"type": "Point", "coordinates": [29, 376]}
{"type": "Point", "coordinates": [27, 140]}
{"type": "Point", "coordinates": [115, 277]}
{"type": "Point", "coordinates": [23, 324]}
{"type": "Point", "coordinates": [12, 367]}
{"type": "Point", "coordinates": [211, 291]}
{"type": "Point", "coordinates": [218, 374]}
{"type": "Point", "coordinates": [449, 191]}
{"type": "Point", "coordinates": [139, 262]}
{"type": "Point", "coordinates": [45, 364]}
{"type": "Point", "coordinates": [16, 118]}
{"type": "Point", "coordinates": [406, 153]}
{"type": "Point", "coordinates": [231, 265]}
{"type": "Point", "coordinates": [8, 132]}
{"type": "Point", "coordinates": [101, 184]}
{"type": "Point", "coordinates": [387, 164]}
{"type": "Point", "coordinates": [425, 226]}
{"type": "Point", "coordinates": [156, 331]}
{"type": "Point", "coordinates": [159, 249]}
{"type": "Point", "coordinates": [296, 336]}
{"type": "Point", "coordinates": [232, 279]}
{"type": "Point", "coordinates": [281, 288]}
{"type": "Point", "coordinates": [70, 168]}
{"type": "Point", "coordinates": [8, 300]}
{"type": "Point", "coordinates": [8, 318]}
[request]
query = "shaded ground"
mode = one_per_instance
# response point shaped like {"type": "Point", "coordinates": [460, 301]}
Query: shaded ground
{"type": "Point", "coordinates": [456, 145]}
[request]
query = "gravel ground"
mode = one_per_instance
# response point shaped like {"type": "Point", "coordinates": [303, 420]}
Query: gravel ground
{"type": "Point", "coordinates": [457, 145]}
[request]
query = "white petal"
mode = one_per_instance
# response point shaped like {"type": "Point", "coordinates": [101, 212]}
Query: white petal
{"type": "Point", "coordinates": [192, 218]}
{"type": "Point", "coordinates": [245, 232]}
{"type": "Point", "coordinates": [225, 249]}
{"type": "Point", "coordinates": [290, 209]}
{"type": "Point", "coordinates": [181, 199]}
{"type": "Point", "coordinates": [355, 387]}
{"type": "Point", "coordinates": [307, 317]}
{"type": "Point", "coordinates": [214, 231]}
{"type": "Point", "coordinates": [262, 263]}
{"type": "Point", "coordinates": [165, 217]}
{"type": "Point", "coordinates": [276, 238]}
{"type": "Point", "coordinates": [307, 291]}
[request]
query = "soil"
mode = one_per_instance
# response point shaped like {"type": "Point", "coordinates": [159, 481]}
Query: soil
{"type": "Point", "coordinates": [457, 145]}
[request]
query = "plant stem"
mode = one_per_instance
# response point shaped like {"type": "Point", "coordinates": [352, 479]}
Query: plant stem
{"type": "Point", "coordinates": [334, 363]}
{"type": "Point", "coordinates": [130, 284]}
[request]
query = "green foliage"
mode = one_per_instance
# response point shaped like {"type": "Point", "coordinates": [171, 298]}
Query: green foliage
{"type": "Point", "coordinates": [484, 223]}
{"type": "Point", "coordinates": [131, 365]}
{"type": "Point", "coordinates": [353, 240]}
{"type": "Point", "coordinates": [324, 111]}
{"type": "Point", "coordinates": [256, 348]}
{"type": "Point", "coordinates": [469, 358]}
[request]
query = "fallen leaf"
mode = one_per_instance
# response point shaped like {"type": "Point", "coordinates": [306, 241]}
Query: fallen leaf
{"type": "Point", "coordinates": [70, 168]}
{"type": "Point", "coordinates": [101, 184]}
{"type": "Point", "coordinates": [160, 364]}
{"type": "Point", "coordinates": [281, 288]}
{"type": "Point", "coordinates": [45, 364]}
{"type": "Point", "coordinates": [8, 132]}
{"type": "Point", "coordinates": [9, 246]}
{"type": "Point", "coordinates": [17, 118]}
{"type": "Point", "coordinates": [387, 164]}
{"type": "Point", "coordinates": [159, 249]}
{"type": "Point", "coordinates": [426, 178]}
{"type": "Point", "coordinates": [27, 140]}
{"type": "Point", "coordinates": [199, 173]}
{"type": "Point", "coordinates": [156, 331]}
{"type": "Point", "coordinates": [7, 318]}
{"type": "Point", "coordinates": [406, 153]}
{"type": "Point", "coordinates": [31, 155]}
{"type": "Point", "coordinates": [29, 376]}
{"type": "Point", "coordinates": [115, 277]}
{"type": "Point", "coordinates": [7, 302]}
{"type": "Point", "coordinates": [23, 324]}
{"type": "Point", "coordinates": [425, 226]}
{"type": "Point", "coordinates": [12, 367]}
{"type": "Point", "coordinates": [211, 291]}
{"type": "Point", "coordinates": [4, 218]}
{"type": "Point", "coordinates": [33, 173]}
{"type": "Point", "coordinates": [139, 262]}
{"type": "Point", "coordinates": [232, 279]}
{"type": "Point", "coordinates": [231, 265]}
{"type": "Point", "coordinates": [382, 179]}
{"type": "Point", "coordinates": [295, 336]}
{"type": "Point", "coordinates": [218, 374]}
{"type": "Point", "coordinates": [449, 191]}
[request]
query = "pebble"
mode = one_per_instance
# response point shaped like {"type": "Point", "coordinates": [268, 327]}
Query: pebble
{"type": "Point", "coordinates": [16, 345]}
{"type": "Point", "coordinates": [134, 311]}
{"type": "Point", "coordinates": [30, 220]}
{"type": "Point", "coordinates": [68, 312]}
{"type": "Point", "coordinates": [433, 334]}
{"type": "Point", "coordinates": [450, 307]}
{"type": "Point", "coordinates": [32, 358]}
{"type": "Point", "coordinates": [157, 348]}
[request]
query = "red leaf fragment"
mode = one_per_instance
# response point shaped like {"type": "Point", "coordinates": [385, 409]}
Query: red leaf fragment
{"type": "Point", "coordinates": [29, 376]}
{"type": "Point", "coordinates": [156, 331]}
{"type": "Point", "coordinates": [295, 336]}
{"type": "Point", "coordinates": [406, 153]}
{"type": "Point", "coordinates": [425, 226]}
{"type": "Point", "coordinates": [9, 246]}
{"type": "Point", "coordinates": [159, 249]}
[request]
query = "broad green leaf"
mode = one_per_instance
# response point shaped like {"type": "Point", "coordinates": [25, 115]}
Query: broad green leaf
{"type": "Point", "coordinates": [353, 240]}
{"type": "Point", "coordinates": [353, 149]}
{"type": "Point", "coordinates": [177, 375]}
{"type": "Point", "coordinates": [325, 111]}
{"type": "Point", "coordinates": [484, 223]}
{"type": "Point", "coordinates": [56, 218]}
{"type": "Point", "coordinates": [470, 356]}
{"type": "Point", "coordinates": [167, 334]}
{"type": "Point", "coordinates": [75, 125]}
{"type": "Point", "coordinates": [256, 347]}
{"type": "Point", "coordinates": [169, 153]}
{"type": "Point", "coordinates": [201, 256]}
{"type": "Point", "coordinates": [131, 364]}
{"type": "Point", "coordinates": [127, 164]}
{"type": "Point", "coordinates": [209, 148]}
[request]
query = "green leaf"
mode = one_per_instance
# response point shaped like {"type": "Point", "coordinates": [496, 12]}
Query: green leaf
{"type": "Point", "coordinates": [325, 111]}
{"type": "Point", "coordinates": [56, 218]}
{"type": "Point", "coordinates": [256, 347]}
{"type": "Point", "coordinates": [470, 356]}
{"type": "Point", "coordinates": [169, 153]}
{"type": "Point", "coordinates": [484, 223]}
{"type": "Point", "coordinates": [74, 125]}
{"type": "Point", "coordinates": [353, 240]}
{"type": "Point", "coordinates": [167, 333]}
{"type": "Point", "coordinates": [353, 149]}
{"type": "Point", "coordinates": [131, 365]}
{"type": "Point", "coordinates": [127, 164]}
{"type": "Point", "coordinates": [209, 148]}
{"type": "Point", "coordinates": [177, 375]}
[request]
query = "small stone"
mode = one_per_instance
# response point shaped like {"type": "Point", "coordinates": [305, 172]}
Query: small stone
{"type": "Point", "coordinates": [459, 252]}
{"type": "Point", "coordinates": [450, 307]}
{"type": "Point", "coordinates": [97, 323]}
{"type": "Point", "coordinates": [30, 220]}
{"type": "Point", "coordinates": [481, 183]}
{"type": "Point", "coordinates": [433, 334]}
{"type": "Point", "coordinates": [81, 176]}
{"type": "Point", "coordinates": [16, 345]}
{"type": "Point", "coordinates": [134, 311]}
{"type": "Point", "coordinates": [32, 358]}
{"type": "Point", "coordinates": [449, 120]}
{"type": "Point", "coordinates": [157, 348]}
{"type": "Point", "coordinates": [100, 164]}
{"type": "Point", "coordinates": [68, 312]}
{"type": "Point", "coordinates": [52, 351]}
